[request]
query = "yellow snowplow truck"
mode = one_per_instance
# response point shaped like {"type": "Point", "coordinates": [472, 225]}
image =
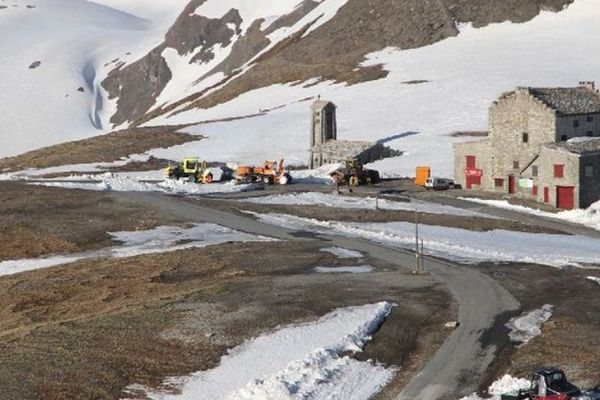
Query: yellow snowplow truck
{"type": "Point", "coordinates": [190, 168]}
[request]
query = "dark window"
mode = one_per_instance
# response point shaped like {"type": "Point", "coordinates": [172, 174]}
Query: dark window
{"type": "Point", "coordinates": [499, 182]}
{"type": "Point", "coordinates": [525, 137]}
{"type": "Point", "coordinates": [515, 165]}
{"type": "Point", "coordinates": [563, 138]}
{"type": "Point", "coordinates": [589, 118]}
{"type": "Point", "coordinates": [590, 133]}
{"type": "Point", "coordinates": [534, 170]}
{"type": "Point", "coordinates": [471, 160]}
{"type": "Point", "coordinates": [534, 190]}
{"type": "Point", "coordinates": [559, 170]}
{"type": "Point", "coordinates": [575, 123]}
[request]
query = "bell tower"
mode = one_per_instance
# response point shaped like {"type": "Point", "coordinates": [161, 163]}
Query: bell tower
{"type": "Point", "coordinates": [323, 122]}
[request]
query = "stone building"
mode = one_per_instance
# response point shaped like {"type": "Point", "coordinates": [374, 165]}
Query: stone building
{"type": "Point", "coordinates": [542, 145]}
{"type": "Point", "coordinates": [326, 149]}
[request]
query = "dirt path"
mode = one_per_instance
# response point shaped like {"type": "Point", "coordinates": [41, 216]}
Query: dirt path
{"type": "Point", "coordinates": [458, 365]}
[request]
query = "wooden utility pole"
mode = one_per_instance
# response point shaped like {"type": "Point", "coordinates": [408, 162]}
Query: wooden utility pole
{"type": "Point", "coordinates": [422, 258]}
{"type": "Point", "coordinates": [418, 261]}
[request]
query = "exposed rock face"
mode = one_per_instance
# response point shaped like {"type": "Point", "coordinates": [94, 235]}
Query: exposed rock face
{"type": "Point", "coordinates": [139, 84]}
{"type": "Point", "coordinates": [333, 51]}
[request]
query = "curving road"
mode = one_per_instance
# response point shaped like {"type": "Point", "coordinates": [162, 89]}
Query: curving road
{"type": "Point", "coordinates": [457, 367]}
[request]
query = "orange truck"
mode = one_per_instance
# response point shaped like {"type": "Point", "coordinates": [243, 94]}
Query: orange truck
{"type": "Point", "coordinates": [270, 172]}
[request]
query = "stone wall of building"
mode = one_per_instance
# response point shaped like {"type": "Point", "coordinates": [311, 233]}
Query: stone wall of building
{"type": "Point", "coordinates": [548, 158]}
{"type": "Point", "coordinates": [578, 125]}
{"type": "Point", "coordinates": [589, 179]}
{"type": "Point", "coordinates": [339, 151]}
{"type": "Point", "coordinates": [511, 117]}
{"type": "Point", "coordinates": [484, 154]}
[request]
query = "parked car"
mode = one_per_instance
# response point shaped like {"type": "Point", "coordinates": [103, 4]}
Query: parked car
{"type": "Point", "coordinates": [439, 184]}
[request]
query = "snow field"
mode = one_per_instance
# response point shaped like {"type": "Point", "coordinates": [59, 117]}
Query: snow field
{"type": "Point", "coordinates": [460, 245]}
{"type": "Point", "coordinates": [78, 43]}
{"type": "Point", "coordinates": [529, 324]}
{"type": "Point", "coordinates": [366, 203]}
{"type": "Point", "coordinates": [134, 243]}
{"type": "Point", "coordinates": [303, 361]}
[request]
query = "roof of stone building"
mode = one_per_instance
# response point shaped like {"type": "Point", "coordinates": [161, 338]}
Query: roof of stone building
{"type": "Point", "coordinates": [574, 100]}
{"type": "Point", "coordinates": [320, 104]}
{"type": "Point", "coordinates": [578, 145]}
{"type": "Point", "coordinates": [350, 147]}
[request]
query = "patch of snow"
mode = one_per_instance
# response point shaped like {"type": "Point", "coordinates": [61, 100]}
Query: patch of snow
{"type": "Point", "coordinates": [499, 246]}
{"type": "Point", "coordinates": [594, 279]}
{"type": "Point", "coordinates": [358, 269]}
{"type": "Point", "coordinates": [304, 361]}
{"type": "Point", "coordinates": [318, 176]}
{"type": "Point", "coordinates": [589, 217]}
{"type": "Point", "coordinates": [340, 252]}
{"type": "Point", "coordinates": [355, 202]}
{"type": "Point", "coordinates": [506, 384]}
{"type": "Point", "coordinates": [11, 267]}
{"type": "Point", "coordinates": [128, 182]}
{"type": "Point", "coordinates": [581, 139]}
{"type": "Point", "coordinates": [528, 325]}
{"type": "Point", "coordinates": [134, 243]}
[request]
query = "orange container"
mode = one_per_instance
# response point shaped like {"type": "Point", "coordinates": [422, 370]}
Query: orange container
{"type": "Point", "coordinates": [421, 175]}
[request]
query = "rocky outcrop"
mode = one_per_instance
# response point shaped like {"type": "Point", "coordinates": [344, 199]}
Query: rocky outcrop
{"type": "Point", "coordinates": [334, 51]}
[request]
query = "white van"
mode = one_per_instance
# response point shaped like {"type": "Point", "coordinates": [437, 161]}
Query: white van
{"type": "Point", "coordinates": [439, 183]}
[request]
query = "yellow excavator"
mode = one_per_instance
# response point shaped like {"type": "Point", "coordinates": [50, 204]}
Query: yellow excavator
{"type": "Point", "coordinates": [191, 168]}
{"type": "Point", "coordinates": [354, 174]}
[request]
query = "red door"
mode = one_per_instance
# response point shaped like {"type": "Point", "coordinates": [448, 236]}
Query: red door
{"type": "Point", "coordinates": [565, 197]}
{"type": "Point", "coordinates": [546, 194]}
{"type": "Point", "coordinates": [473, 180]}
{"type": "Point", "coordinates": [511, 184]}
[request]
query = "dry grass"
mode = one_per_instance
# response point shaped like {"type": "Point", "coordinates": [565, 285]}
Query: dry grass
{"type": "Point", "coordinates": [22, 242]}
{"type": "Point", "coordinates": [38, 220]}
{"type": "Point", "coordinates": [105, 148]}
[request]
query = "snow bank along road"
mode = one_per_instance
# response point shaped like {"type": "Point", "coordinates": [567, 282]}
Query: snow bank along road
{"type": "Point", "coordinates": [483, 302]}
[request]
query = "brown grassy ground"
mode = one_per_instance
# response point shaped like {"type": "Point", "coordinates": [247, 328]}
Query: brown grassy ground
{"type": "Point", "coordinates": [105, 148]}
{"type": "Point", "coordinates": [90, 329]}
{"type": "Point", "coordinates": [570, 338]}
{"type": "Point", "coordinates": [36, 220]}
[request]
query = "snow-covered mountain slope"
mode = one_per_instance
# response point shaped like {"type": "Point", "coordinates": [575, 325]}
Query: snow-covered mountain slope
{"type": "Point", "coordinates": [408, 73]}
{"type": "Point", "coordinates": [463, 75]}
{"type": "Point", "coordinates": [54, 53]}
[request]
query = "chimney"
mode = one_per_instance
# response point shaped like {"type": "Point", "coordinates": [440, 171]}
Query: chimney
{"type": "Point", "coordinates": [588, 84]}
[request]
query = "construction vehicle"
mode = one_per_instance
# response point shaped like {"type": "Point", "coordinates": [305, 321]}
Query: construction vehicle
{"type": "Point", "coordinates": [190, 168]}
{"type": "Point", "coordinates": [546, 384]}
{"type": "Point", "coordinates": [353, 174]}
{"type": "Point", "coordinates": [270, 172]}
